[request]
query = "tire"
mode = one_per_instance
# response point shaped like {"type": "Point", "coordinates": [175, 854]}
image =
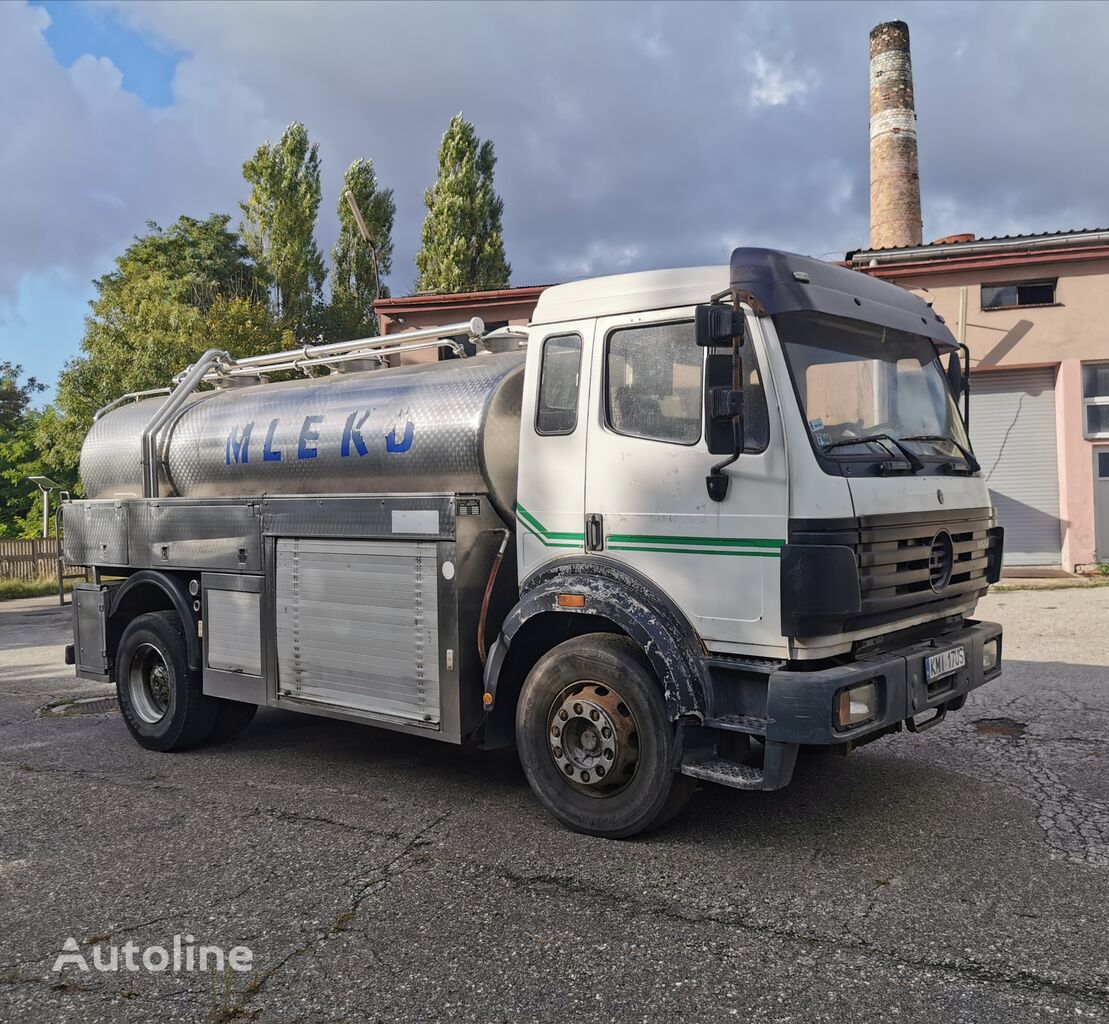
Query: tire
{"type": "Point", "coordinates": [159, 695]}
{"type": "Point", "coordinates": [232, 717]}
{"type": "Point", "coordinates": [614, 786]}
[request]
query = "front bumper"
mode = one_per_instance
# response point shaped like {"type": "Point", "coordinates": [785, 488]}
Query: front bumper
{"type": "Point", "coordinates": [801, 705]}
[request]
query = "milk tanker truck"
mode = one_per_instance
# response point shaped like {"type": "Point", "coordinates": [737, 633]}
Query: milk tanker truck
{"type": "Point", "coordinates": [683, 525]}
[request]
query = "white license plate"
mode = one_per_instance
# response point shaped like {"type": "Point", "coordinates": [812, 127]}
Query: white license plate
{"type": "Point", "coordinates": [936, 666]}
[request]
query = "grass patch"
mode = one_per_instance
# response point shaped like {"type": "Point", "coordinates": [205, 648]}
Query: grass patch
{"type": "Point", "coordinates": [12, 589]}
{"type": "Point", "coordinates": [1082, 583]}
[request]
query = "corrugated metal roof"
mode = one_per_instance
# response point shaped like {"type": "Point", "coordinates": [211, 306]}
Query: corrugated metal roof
{"type": "Point", "coordinates": [945, 242]}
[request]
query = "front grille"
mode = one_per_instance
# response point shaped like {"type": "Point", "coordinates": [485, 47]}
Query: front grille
{"type": "Point", "coordinates": [908, 562]}
{"type": "Point", "coordinates": [903, 562]}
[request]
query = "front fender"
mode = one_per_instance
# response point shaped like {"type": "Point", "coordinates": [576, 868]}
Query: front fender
{"type": "Point", "coordinates": [628, 601]}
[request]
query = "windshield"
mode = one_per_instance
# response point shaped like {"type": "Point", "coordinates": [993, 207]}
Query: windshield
{"type": "Point", "coordinates": [856, 380]}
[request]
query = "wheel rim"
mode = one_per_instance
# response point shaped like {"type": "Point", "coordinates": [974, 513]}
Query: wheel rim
{"type": "Point", "coordinates": [148, 684]}
{"type": "Point", "coordinates": [593, 738]}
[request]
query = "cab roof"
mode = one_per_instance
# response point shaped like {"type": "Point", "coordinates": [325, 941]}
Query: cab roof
{"type": "Point", "coordinates": [629, 293]}
{"type": "Point", "coordinates": [771, 281]}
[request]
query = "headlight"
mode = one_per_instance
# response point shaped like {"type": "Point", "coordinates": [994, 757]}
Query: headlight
{"type": "Point", "coordinates": [856, 705]}
{"type": "Point", "coordinates": [990, 655]}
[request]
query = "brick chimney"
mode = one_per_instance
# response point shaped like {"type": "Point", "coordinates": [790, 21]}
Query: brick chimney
{"type": "Point", "coordinates": [894, 174]}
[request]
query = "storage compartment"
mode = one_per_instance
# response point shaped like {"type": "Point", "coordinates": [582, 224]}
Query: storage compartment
{"type": "Point", "coordinates": [233, 637]}
{"type": "Point", "coordinates": [90, 643]}
{"type": "Point", "coordinates": [357, 626]}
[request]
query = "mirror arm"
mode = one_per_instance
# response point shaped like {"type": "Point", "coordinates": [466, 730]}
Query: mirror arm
{"type": "Point", "coordinates": [966, 385]}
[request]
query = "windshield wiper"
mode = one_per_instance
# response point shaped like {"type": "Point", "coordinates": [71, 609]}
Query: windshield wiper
{"type": "Point", "coordinates": [911, 457]}
{"type": "Point", "coordinates": [972, 462]}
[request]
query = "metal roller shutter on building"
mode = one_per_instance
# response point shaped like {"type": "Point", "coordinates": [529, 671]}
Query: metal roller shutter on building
{"type": "Point", "coordinates": [1012, 416]}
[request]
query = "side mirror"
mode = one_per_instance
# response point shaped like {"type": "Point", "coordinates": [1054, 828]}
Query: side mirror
{"type": "Point", "coordinates": [958, 379]}
{"type": "Point", "coordinates": [955, 374]}
{"type": "Point", "coordinates": [715, 325]}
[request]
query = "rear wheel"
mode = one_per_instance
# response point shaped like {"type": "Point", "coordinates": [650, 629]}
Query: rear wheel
{"type": "Point", "coordinates": [160, 697]}
{"type": "Point", "coordinates": [232, 717]}
{"type": "Point", "coordinates": [595, 741]}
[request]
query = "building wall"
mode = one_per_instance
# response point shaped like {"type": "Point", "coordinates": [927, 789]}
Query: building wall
{"type": "Point", "coordinates": [1076, 328]}
{"type": "Point", "coordinates": [1065, 335]}
{"type": "Point", "coordinates": [399, 315]}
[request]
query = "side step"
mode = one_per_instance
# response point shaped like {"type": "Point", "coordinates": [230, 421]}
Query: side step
{"type": "Point", "coordinates": [724, 772]}
{"type": "Point", "coordinates": [738, 723]}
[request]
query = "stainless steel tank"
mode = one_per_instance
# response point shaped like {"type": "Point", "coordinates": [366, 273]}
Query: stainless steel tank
{"type": "Point", "coordinates": [451, 426]}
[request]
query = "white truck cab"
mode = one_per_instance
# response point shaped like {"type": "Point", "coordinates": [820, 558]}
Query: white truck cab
{"type": "Point", "coordinates": [712, 516]}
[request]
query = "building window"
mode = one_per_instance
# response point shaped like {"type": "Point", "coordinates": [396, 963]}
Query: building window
{"type": "Point", "coordinates": [1095, 396]}
{"type": "Point", "coordinates": [1018, 294]}
{"type": "Point", "coordinates": [559, 376]}
{"type": "Point", "coordinates": [653, 382]}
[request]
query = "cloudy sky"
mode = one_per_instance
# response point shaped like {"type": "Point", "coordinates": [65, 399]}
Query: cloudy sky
{"type": "Point", "coordinates": [628, 136]}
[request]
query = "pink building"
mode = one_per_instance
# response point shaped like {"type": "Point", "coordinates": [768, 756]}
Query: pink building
{"type": "Point", "coordinates": [1036, 319]}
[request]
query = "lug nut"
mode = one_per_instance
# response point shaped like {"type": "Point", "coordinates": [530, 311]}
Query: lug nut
{"type": "Point", "coordinates": [594, 715]}
{"type": "Point", "coordinates": [568, 770]}
{"type": "Point", "coordinates": [606, 732]}
{"type": "Point", "coordinates": [556, 731]}
{"type": "Point", "coordinates": [563, 714]}
{"type": "Point", "coordinates": [600, 771]}
{"type": "Point", "coordinates": [558, 751]}
{"type": "Point", "coordinates": [577, 709]}
{"type": "Point", "coordinates": [608, 754]}
{"type": "Point", "coordinates": [585, 776]}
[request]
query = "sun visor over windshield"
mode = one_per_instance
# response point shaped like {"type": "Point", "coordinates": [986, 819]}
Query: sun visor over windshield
{"type": "Point", "coordinates": [782, 282]}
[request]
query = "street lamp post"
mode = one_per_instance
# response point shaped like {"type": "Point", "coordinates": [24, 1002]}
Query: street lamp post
{"type": "Point", "coordinates": [45, 486]}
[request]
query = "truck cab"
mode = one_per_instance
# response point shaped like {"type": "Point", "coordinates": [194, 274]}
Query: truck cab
{"type": "Point", "coordinates": [824, 594]}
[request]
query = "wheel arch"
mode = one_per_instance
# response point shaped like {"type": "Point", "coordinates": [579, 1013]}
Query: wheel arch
{"type": "Point", "coordinates": [616, 600]}
{"type": "Point", "coordinates": [151, 591]}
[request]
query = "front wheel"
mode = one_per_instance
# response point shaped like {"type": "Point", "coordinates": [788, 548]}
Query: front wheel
{"type": "Point", "coordinates": [595, 741]}
{"type": "Point", "coordinates": [159, 695]}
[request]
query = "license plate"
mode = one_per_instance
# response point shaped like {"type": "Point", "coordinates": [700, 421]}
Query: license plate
{"type": "Point", "coordinates": [936, 666]}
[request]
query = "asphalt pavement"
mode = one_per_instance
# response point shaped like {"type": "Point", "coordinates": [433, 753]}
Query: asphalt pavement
{"type": "Point", "coordinates": [958, 875]}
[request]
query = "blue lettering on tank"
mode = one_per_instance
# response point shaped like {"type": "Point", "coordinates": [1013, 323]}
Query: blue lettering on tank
{"type": "Point", "coordinates": [305, 450]}
{"type": "Point", "coordinates": [391, 442]}
{"type": "Point", "coordinates": [269, 453]}
{"type": "Point", "coordinates": [353, 432]}
{"type": "Point", "coordinates": [238, 448]}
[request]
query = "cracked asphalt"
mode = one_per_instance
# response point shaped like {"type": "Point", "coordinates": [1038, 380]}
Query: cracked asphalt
{"type": "Point", "coordinates": [958, 875]}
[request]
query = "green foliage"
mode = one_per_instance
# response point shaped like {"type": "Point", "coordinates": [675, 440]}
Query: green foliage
{"type": "Point", "coordinates": [10, 590]}
{"type": "Point", "coordinates": [354, 278]}
{"type": "Point", "coordinates": [15, 398]}
{"type": "Point", "coordinates": [279, 218]}
{"type": "Point", "coordinates": [462, 246]}
{"type": "Point", "coordinates": [173, 294]}
{"type": "Point", "coordinates": [20, 457]}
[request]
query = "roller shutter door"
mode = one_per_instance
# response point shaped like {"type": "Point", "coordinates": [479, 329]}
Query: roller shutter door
{"type": "Point", "coordinates": [1012, 415]}
{"type": "Point", "coordinates": [357, 626]}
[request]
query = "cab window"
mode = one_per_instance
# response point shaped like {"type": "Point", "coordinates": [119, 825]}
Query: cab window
{"type": "Point", "coordinates": [653, 382]}
{"type": "Point", "coordinates": [559, 375]}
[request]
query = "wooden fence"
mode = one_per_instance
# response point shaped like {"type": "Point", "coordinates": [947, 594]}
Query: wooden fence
{"type": "Point", "coordinates": [28, 559]}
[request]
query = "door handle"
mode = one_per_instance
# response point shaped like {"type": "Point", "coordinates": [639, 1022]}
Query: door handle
{"type": "Point", "coordinates": [594, 532]}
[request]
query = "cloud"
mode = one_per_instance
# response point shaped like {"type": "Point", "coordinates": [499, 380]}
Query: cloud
{"type": "Point", "coordinates": [774, 85]}
{"type": "Point", "coordinates": [620, 143]}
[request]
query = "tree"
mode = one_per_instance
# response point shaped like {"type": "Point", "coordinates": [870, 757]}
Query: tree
{"type": "Point", "coordinates": [279, 218]}
{"type": "Point", "coordinates": [462, 246]}
{"type": "Point", "coordinates": [20, 503]}
{"type": "Point", "coordinates": [355, 280]}
{"type": "Point", "coordinates": [173, 294]}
